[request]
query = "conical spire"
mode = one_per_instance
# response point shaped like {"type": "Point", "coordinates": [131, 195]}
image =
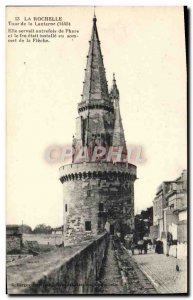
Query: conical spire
{"type": "Point", "coordinates": [118, 133]}
{"type": "Point", "coordinates": [95, 83]}
{"type": "Point", "coordinates": [114, 93]}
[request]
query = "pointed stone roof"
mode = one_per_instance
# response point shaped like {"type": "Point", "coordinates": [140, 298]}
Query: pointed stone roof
{"type": "Point", "coordinates": [118, 133]}
{"type": "Point", "coordinates": [95, 83]}
{"type": "Point", "coordinates": [114, 92]}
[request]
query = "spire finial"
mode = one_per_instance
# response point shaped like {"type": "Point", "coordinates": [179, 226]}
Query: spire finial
{"type": "Point", "coordinates": [94, 17]}
{"type": "Point", "coordinates": [114, 93]}
{"type": "Point", "coordinates": [114, 80]}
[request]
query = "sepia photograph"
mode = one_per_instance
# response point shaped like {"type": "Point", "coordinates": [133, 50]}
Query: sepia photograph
{"type": "Point", "coordinates": [96, 146]}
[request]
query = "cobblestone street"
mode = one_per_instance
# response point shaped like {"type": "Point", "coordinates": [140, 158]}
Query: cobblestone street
{"type": "Point", "coordinates": [151, 273]}
{"type": "Point", "coordinates": [161, 270]}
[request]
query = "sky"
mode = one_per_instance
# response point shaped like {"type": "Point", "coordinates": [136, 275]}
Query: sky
{"type": "Point", "coordinates": [145, 48]}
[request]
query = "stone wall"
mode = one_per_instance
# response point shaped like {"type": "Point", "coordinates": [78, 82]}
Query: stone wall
{"type": "Point", "coordinates": [116, 196]}
{"type": "Point", "coordinates": [77, 169]}
{"type": "Point", "coordinates": [13, 243]}
{"type": "Point", "coordinates": [97, 185]}
{"type": "Point", "coordinates": [180, 250]}
{"type": "Point", "coordinates": [73, 270]}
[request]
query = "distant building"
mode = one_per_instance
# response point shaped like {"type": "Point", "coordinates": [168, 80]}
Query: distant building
{"type": "Point", "coordinates": [159, 203]}
{"type": "Point", "coordinates": [13, 239]}
{"type": "Point", "coordinates": [170, 215]}
{"type": "Point", "coordinates": [58, 230]}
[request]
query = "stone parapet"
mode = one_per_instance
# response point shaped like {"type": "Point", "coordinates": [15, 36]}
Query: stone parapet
{"type": "Point", "coordinates": [95, 104]}
{"type": "Point", "coordinates": [96, 170]}
{"type": "Point", "coordinates": [70, 270]}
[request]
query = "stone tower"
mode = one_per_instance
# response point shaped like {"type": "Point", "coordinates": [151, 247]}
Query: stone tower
{"type": "Point", "coordinates": [98, 188]}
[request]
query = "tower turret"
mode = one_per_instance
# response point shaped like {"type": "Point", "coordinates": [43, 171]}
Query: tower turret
{"type": "Point", "coordinates": [118, 139]}
{"type": "Point", "coordinates": [95, 123]}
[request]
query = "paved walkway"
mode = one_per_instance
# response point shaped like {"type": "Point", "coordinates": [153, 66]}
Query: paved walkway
{"type": "Point", "coordinates": [121, 275]}
{"type": "Point", "coordinates": [161, 271]}
{"type": "Point", "coordinates": [110, 282]}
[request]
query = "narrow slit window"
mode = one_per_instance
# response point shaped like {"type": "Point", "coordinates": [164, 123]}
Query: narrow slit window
{"type": "Point", "coordinates": [66, 207]}
{"type": "Point", "coordinates": [101, 206]}
{"type": "Point", "coordinates": [88, 225]}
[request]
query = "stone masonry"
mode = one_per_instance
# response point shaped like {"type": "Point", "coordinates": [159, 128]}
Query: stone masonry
{"type": "Point", "coordinates": [97, 194]}
{"type": "Point", "coordinates": [72, 270]}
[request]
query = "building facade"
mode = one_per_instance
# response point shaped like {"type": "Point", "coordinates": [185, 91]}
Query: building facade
{"type": "Point", "coordinates": [98, 188]}
{"type": "Point", "coordinates": [170, 215]}
{"type": "Point", "coordinates": [159, 204]}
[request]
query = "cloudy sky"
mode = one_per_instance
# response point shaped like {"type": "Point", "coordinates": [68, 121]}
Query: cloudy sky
{"type": "Point", "coordinates": [145, 47]}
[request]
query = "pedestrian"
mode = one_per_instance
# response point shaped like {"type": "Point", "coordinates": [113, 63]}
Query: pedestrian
{"type": "Point", "coordinates": [145, 247]}
{"type": "Point", "coordinates": [159, 247]}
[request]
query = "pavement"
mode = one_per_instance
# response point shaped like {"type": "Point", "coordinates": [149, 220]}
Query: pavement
{"type": "Point", "coordinates": [161, 271]}
{"type": "Point", "coordinates": [110, 281]}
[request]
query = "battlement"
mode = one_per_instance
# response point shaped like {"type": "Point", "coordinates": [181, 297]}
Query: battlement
{"type": "Point", "coordinates": [97, 170]}
{"type": "Point", "coordinates": [96, 104]}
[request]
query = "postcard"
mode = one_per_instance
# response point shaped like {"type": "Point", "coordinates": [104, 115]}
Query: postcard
{"type": "Point", "coordinates": [96, 150]}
